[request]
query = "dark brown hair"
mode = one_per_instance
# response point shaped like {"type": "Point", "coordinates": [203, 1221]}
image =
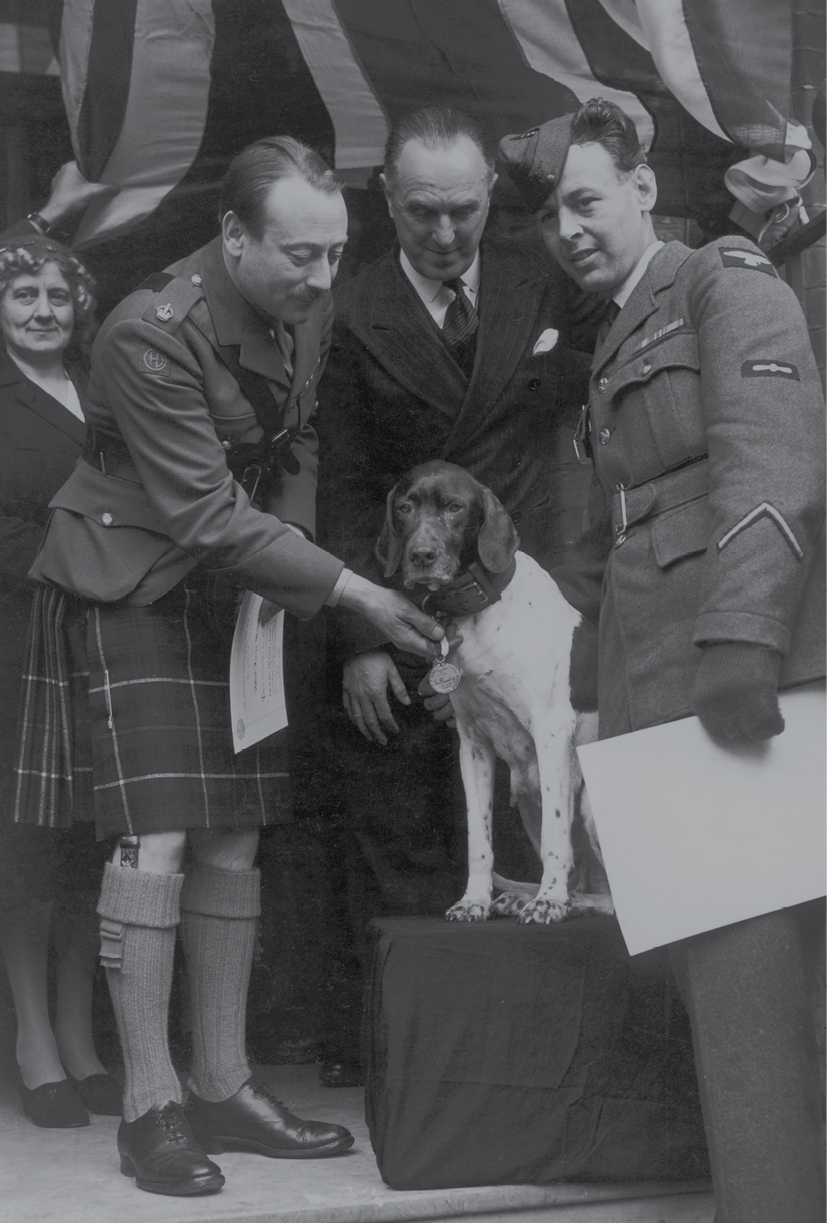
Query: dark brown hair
{"type": "Point", "coordinates": [601, 122]}
{"type": "Point", "coordinates": [252, 173]}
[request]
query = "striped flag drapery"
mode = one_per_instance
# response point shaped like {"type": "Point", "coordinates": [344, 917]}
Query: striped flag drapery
{"type": "Point", "coordinates": [147, 84]}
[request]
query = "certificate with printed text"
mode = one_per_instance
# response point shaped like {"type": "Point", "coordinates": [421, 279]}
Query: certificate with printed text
{"type": "Point", "coordinates": [257, 706]}
{"type": "Point", "coordinates": [696, 835]}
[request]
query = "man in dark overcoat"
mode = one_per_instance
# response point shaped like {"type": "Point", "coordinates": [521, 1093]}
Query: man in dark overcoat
{"type": "Point", "coordinates": [197, 482]}
{"type": "Point", "coordinates": [705, 565]}
{"type": "Point", "coordinates": [456, 347]}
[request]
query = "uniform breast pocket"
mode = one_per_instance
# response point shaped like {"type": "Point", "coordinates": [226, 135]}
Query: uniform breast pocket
{"type": "Point", "coordinates": [664, 379]}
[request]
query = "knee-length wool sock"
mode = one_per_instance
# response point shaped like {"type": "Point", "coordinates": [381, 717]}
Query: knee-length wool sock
{"type": "Point", "coordinates": [219, 912]}
{"type": "Point", "coordinates": [140, 913]}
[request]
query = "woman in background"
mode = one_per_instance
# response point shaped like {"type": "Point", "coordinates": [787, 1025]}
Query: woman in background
{"type": "Point", "coordinates": [46, 312]}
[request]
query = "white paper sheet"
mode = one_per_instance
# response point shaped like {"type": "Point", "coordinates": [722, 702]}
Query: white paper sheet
{"type": "Point", "coordinates": [257, 707]}
{"type": "Point", "coordinates": [696, 836]}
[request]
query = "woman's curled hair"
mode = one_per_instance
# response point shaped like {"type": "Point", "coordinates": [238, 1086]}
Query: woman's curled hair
{"type": "Point", "coordinates": [27, 256]}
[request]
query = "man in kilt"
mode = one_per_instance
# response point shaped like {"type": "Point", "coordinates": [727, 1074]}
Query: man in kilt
{"type": "Point", "coordinates": [197, 482]}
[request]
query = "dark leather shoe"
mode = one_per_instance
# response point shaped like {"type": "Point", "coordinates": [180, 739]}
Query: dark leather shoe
{"type": "Point", "coordinates": [101, 1095]}
{"type": "Point", "coordinates": [254, 1120]}
{"type": "Point", "coordinates": [341, 1074]}
{"type": "Point", "coordinates": [159, 1150]}
{"type": "Point", "coordinates": [53, 1106]}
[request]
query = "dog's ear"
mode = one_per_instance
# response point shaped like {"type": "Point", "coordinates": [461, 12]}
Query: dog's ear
{"type": "Point", "coordinates": [388, 549]}
{"type": "Point", "coordinates": [498, 540]}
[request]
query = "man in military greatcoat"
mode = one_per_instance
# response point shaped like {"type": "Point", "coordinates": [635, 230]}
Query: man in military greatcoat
{"type": "Point", "coordinates": [705, 567]}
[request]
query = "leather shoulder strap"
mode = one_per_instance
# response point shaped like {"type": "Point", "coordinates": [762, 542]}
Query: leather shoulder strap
{"type": "Point", "coordinates": [254, 387]}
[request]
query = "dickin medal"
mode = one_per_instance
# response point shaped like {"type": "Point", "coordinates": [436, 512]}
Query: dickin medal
{"type": "Point", "coordinates": [443, 676]}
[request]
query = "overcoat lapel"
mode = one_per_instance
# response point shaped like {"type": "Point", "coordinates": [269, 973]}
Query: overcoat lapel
{"type": "Point", "coordinates": [509, 301]}
{"type": "Point", "coordinates": [659, 275]}
{"type": "Point", "coordinates": [401, 337]}
{"type": "Point", "coordinates": [36, 400]}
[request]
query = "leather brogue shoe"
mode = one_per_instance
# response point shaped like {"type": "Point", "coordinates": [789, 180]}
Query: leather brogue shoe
{"type": "Point", "coordinates": [160, 1151]}
{"type": "Point", "coordinates": [341, 1074]}
{"type": "Point", "coordinates": [254, 1120]}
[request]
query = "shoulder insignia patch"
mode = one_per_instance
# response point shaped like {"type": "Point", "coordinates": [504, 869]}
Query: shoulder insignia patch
{"type": "Point", "coordinates": [154, 360]}
{"type": "Point", "coordinates": [165, 313]}
{"type": "Point", "coordinates": [768, 368]}
{"type": "Point", "coordinates": [753, 260]}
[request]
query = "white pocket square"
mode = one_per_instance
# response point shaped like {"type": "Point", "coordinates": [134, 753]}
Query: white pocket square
{"type": "Point", "coordinates": [546, 341]}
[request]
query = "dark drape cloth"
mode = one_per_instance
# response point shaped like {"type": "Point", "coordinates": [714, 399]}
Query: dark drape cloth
{"type": "Point", "coordinates": [507, 1054]}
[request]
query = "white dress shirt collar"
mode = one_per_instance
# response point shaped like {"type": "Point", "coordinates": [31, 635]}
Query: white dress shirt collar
{"type": "Point", "coordinates": [435, 297]}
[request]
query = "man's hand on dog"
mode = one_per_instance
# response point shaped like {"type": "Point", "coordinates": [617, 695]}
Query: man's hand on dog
{"type": "Point", "coordinates": [366, 681]}
{"type": "Point", "coordinates": [399, 620]}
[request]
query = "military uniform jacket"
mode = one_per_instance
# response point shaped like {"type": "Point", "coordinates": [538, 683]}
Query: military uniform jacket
{"type": "Point", "coordinates": [706, 425]}
{"type": "Point", "coordinates": [153, 495]}
{"type": "Point", "coordinates": [393, 397]}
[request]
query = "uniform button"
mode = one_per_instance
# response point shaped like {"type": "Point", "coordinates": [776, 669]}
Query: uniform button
{"type": "Point", "coordinates": [647, 369]}
{"type": "Point", "coordinates": [534, 384]}
{"type": "Point", "coordinates": [107, 519]}
{"type": "Point", "coordinates": [196, 279]}
{"type": "Point", "coordinates": [605, 434]}
{"type": "Point", "coordinates": [602, 384]}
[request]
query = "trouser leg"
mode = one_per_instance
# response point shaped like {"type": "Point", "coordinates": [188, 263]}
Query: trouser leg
{"type": "Point", "coordinates": [140, 913]}
{"type": "Point", "coordinates": [220, 909]}
{"type": "Point", "coordinates": [746, 990]}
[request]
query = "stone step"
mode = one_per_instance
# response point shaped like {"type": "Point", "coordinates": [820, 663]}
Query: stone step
{"type": "Point", "coordinates": [72, 1176]}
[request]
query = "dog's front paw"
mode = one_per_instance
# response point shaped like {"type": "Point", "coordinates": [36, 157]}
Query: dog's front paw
{"type": "Point", "coordinates": [544, 910]}
{"type": "Point", "coordinates": [470, 909]}
{"type": "Point", "coordinates": [509, 904]}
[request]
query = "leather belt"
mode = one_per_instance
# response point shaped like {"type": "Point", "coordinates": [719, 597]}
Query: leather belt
{"type": "Point", "coordinates": [633, 505]}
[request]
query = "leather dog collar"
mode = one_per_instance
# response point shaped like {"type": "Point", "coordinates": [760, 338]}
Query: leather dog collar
{"type": "Point", "coordinates": [470, 591]}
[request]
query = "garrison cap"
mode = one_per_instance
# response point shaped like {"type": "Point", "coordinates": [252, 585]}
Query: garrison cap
{"type": "Point", "coordinates": [535, 159]}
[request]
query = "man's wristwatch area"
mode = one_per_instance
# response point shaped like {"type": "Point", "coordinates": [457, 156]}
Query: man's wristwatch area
{"type": "Point", "coordinates": [40, 223]}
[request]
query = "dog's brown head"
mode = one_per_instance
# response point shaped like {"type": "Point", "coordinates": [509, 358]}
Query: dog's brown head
{"type": "Point", "coordinates": [438, 520]}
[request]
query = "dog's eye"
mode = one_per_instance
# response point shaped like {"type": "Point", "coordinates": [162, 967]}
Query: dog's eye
{"type": "Point", "coordinates": [403, 509]}
{"type": "Point", "coordinates": [455, 507]}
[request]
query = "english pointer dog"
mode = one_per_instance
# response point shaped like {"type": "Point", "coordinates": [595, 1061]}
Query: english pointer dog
{"type": "Point", "coordinates": [509, 682]}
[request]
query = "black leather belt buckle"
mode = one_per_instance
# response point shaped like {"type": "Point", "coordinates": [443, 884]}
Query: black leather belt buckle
{"type": "Point", "coordinates": [281, 448]}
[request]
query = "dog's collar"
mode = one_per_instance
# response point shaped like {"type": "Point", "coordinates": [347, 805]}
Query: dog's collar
{"type": "Point", "coordinates": [470, 591]}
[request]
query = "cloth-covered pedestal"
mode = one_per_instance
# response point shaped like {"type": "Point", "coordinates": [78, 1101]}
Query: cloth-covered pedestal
{"type": "Point", "coordinates": [505, 1054]}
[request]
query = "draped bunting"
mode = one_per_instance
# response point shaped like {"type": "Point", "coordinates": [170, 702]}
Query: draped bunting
{"type": "Point", "coordinates": [706, 81]}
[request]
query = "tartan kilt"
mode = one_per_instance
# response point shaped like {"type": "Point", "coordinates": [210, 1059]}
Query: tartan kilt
{"type": "Point", "coordinates": [158, 720]}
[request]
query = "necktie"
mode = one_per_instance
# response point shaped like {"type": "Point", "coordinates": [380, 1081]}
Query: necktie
{"type": "Point", "coordinates": [612, 311]}
{"type": "Point", "coordinates": [461, 321]}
